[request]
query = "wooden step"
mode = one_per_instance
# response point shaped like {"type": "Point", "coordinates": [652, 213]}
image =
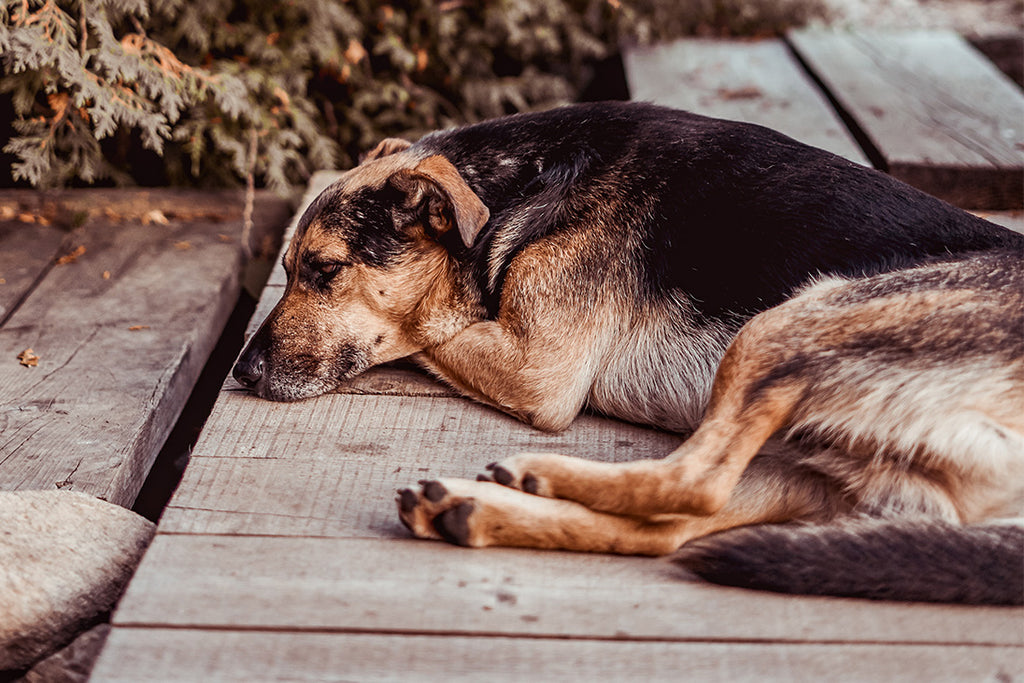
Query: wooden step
{"type": "Point", "coordinates": [754, 81]}
{"type": "Point", "coordinates": [122, 313]}
{"type": "Point", "coordinates": [937, 113]}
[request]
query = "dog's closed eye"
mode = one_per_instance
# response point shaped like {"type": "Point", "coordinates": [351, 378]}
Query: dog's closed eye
{"type": "Point", "coordinates": [325, 271]}
{"type": "Point", "coordinates": [329, 269]}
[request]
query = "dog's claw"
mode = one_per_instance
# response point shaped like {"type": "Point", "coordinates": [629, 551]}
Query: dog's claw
{"type": "Point", "coordinates": [530, 484]}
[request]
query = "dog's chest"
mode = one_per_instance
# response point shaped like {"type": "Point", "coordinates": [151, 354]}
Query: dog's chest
{"type": "Point", "coordinates": [659, 372]}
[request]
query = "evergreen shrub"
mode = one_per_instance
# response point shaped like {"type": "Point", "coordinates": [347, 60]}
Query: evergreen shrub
{"type": "Point", "coordinates": [217, 91]}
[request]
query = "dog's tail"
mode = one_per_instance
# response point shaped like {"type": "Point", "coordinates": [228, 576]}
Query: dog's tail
{"type": "Point", "coordinates": [884, 559]}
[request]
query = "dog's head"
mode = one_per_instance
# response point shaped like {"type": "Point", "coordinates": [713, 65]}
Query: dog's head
{"type": "Point", "coordinates": [364, 268]}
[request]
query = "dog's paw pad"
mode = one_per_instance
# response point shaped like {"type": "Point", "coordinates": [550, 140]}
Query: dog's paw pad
{"type": "Point", "coordinates": [434, 491]}
{"type": "Point", "coordinates": [453, 524]}
{"type": "Point", "coordinates": [515, 473]}
{"type": "Point", "coordinates": [501, 475]}
{"type": "Point", "coordinates": [407, 500]}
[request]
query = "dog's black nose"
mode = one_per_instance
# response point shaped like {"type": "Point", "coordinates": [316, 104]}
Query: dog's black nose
{"type": "Point", "coordinates": [248, 368]}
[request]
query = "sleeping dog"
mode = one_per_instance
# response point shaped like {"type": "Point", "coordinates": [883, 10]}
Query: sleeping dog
{"type": "Point", "coordinates": [847, 351]}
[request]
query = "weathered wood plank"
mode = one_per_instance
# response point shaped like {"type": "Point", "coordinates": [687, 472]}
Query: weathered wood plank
{"type": "Point", "coordinates": [1014, 220]}
{"type": "Point", "coordinates": [940, 115]}
{"type": "Point", "coordinates": [330, 466]}
{"type": "Point", "coordinates": [27, 250]}
{"type": "Point", "coordinates": [413, 586]}
{"type": "Point", "coordinates": [164, 654]}
{"type": "Point", "coordinates": [94, 413]}
{"type": "Point", "coordinates": [754, 81]}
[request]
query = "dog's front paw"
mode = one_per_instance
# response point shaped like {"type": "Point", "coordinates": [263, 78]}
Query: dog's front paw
{"type": "Point", "coordinates": [434, 511]}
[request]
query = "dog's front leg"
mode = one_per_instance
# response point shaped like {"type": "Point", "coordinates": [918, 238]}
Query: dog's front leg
{"type": "Point", "coordinates": [754, 395]}
{"type": "Point", "coordinates": [479, 514]}
{"type": "Point", "coordinates": [541, 381]}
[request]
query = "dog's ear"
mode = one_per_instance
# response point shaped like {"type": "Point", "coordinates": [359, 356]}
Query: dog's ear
{"type": "Point", "coordinates": [450, 199]}
{"type": "Point", "coordinates": [387, 147]}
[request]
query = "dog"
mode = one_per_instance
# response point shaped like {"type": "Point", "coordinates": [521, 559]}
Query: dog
{"type": "Point", "coordinates": [847, 352]}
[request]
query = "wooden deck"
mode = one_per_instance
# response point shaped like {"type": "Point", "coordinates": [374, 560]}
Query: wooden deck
{"type": "Point", "coordinates": [281, 556]}
{"type": "Point", "coordinates": [121, 295]}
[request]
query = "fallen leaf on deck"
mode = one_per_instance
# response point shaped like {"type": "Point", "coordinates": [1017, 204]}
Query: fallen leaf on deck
{"type": "Point", "coordinates": [183, 245]}
{"type": "Point", "coordinates": [28, 358]}
{"type": "Point", "coordinates": [136, 328]}
{"type": "Point", "coordinates": [71, 257]}
{"type": "Point", "coordinates": [106, 274]}
{"type": "Point", "coordinates": [155, 216]}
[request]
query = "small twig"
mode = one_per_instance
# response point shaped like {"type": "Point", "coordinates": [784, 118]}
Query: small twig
{"type": "Point", "coordinates": [250, 195]}
{"type": "Point", "coordinates": [138, 26]}
{"type": "Point", "coordinates": [83, 27]}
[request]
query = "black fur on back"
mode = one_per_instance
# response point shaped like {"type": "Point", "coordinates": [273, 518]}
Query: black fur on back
{"type": "Point", "coordinates": [732, 216]}
{"type": "Point", "coordinates": [883, 559]}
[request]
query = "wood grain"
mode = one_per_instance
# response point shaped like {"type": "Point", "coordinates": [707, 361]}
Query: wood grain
{"type": "Point", "coordinates": [754, 81]}
{"type": "Point", "coordinates": [414, 586]}
{"type": "Point", "coordinates": [939, 114]}
{"type": "Point", "coordinates": [118, 354]}
{"type": "Point", "coordinates": [211, 656]}
{"type": "Point", "coordinates": [330, 466]}
{"type": "Point", "coordinates": [27, 251]}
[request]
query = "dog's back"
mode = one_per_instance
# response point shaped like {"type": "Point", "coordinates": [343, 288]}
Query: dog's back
{"type": "Point", "coordinates": [703, 197]}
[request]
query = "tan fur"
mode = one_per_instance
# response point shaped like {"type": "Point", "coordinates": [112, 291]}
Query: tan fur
{"type": "Point", "coordinates": [877, 440]}
{"type": "Point", "coordinates": [713, 480]}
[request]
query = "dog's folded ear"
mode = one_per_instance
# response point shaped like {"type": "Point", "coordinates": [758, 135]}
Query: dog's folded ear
{"type": "Point", "coordinates": [450, 199]}
{"type": "Point", "coordinates": [386, 147]}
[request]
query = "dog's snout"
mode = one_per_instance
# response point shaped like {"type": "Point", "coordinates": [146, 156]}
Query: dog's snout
{"type": "Point", "coordinates": [248, 368]}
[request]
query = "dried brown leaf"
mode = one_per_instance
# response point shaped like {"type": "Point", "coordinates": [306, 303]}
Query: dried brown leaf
{"type": "Point", "coordinates": [28, 358]}
{"type": "Point", "coordinates": [72, 256]}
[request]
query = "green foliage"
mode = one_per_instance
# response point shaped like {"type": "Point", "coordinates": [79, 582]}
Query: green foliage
{"type": "Point", "coordinates": [225, 89]}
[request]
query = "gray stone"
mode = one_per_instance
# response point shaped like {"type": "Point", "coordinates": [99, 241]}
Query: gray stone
{"type": "Point", "coordinates": [65, 558]}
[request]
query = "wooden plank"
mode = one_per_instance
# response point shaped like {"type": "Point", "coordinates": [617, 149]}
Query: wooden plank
{"type": "Point", "coordinates": [96, 410]}
{"type": "Point", "coordinates": [330, 466]}
{"type": "Point", "coordinates": [427, 587]}
{"type": "Point", "coordinates": [939, 114]}
{"type": "Point", "coordinates": [754, 81]}
{"type": "Point", "coordinates": [164, 654]}
{"type": "Point", "coordinates": [27, 251]}
{"type": "Point", "coordinates": [1014, 220]}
